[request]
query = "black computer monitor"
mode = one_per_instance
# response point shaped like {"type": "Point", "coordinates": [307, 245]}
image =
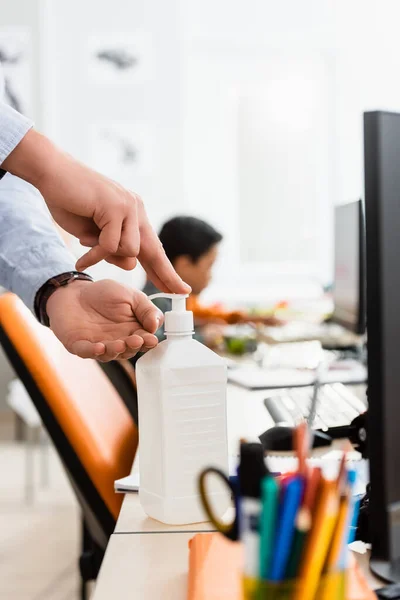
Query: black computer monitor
{"type": "Point", "coordinates": [382, 204]}
{"type": "Point", "coordinates": [349, 294]}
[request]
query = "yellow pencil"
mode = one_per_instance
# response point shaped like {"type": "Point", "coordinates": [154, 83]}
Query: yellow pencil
{"type": "Point", "coordinates": [337, 540]}
{"type": "Point", "coordinates": [333, 580]}
{"type": "Point", "coordinates": [319, 540]}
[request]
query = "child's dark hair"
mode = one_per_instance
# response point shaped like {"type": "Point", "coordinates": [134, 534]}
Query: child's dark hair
{"type": "Point", "coordinates": [188, 236]}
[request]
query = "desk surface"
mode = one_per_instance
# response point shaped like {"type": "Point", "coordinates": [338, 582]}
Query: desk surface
{"type": "Point", "coordinates": [247, 417]}
{"type": "Point", "coordinates": [154, 566]}
{"type": "Point", "coordinates": [145, 566]}
{"type": "Point", "coordinates": [149, 560]}
{"type": "Point", "coordinates": [133, 519]}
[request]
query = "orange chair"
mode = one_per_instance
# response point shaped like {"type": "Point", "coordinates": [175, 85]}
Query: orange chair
{"type": "Point", "coordinates": [88, 422]}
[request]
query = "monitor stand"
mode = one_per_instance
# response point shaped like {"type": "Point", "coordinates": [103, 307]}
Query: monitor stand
{"type": "Point", "coordinates": [385, 570]}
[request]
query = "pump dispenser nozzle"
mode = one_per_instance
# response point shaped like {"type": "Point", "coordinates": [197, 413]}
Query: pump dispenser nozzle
{"type": "Point", "coordinates": [178, 300]}
{"type": "Point", "coordinates": [178, 320]}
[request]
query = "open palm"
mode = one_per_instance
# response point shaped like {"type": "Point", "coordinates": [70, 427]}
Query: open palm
{"type": "Point", "coordinates": [103, 320]}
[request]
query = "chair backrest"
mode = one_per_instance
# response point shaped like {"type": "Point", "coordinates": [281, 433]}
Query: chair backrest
{"type": "Point", "coordinates": [84, 415]}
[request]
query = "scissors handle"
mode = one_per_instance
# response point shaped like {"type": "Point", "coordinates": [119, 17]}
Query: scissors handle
{"type": "Point", "coordinates": [229, 530]}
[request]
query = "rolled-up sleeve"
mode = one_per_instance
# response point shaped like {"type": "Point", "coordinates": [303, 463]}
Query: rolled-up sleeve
{"type": "Point", "coordinates": [13, 127]}
{"type": "Point", "coordinates": [31, 250]}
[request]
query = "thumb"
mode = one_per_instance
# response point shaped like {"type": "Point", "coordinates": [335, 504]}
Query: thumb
{"type": "Point", "coordinates": [146, 312]}
{"type": "Point", "coordinates": [92, 257]}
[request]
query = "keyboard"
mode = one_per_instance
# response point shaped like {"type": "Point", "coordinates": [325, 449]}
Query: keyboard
{"type": "Point", "coordinates": [255, 378]}
{"type": "Point", "coordinates": [330, 335]}
{"type": "Point", "coordinates": [298, 355]}
{"type": "Point", "coordinates": [337, 406]}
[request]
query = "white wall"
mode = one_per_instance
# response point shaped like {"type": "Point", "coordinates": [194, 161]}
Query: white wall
{"type": "Point", "coordinates": [265, 181]}
{"type": "Point", "coordinates": [207, 60]}
{"type": "Point", "coordinates": [242, 176]}
{"type": "Point", "coordinates": [226, 40]}
{"type": "Point", "coordinates": [367, 78]}
{"type": "Point", "coordinates": [26, 15]}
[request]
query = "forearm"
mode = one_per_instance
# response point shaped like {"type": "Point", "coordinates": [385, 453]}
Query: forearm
{"type": "Point", "coordinates": [31, 251]}
{"type": "Point", "coordinates": [31, 157]}
{"type": "Point", "coordinates": [13, 129]}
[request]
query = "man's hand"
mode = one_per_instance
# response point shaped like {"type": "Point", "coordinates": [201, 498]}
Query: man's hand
{"type": "Point", "coordinates": [98, 211]}
{"type": "Point", "coordinates": [103, 320]}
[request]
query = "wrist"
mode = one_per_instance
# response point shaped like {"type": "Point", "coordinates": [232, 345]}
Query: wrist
{"type": "Point", "coordinates": [48, 295]}
{"type": "Point", "coordinates": [32, 158]}
{"type": "Point", "coordinates": [61, 293]}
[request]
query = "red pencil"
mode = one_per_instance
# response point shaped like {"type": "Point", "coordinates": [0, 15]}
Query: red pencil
{"type": "Point", "coordinates": [312, 485]}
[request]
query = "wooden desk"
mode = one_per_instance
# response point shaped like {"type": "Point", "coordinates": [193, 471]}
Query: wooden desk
{"type": "Point", "coordinates": [133, 519]}
{"type": "Point", "coordinates": [145, 567]}
{"type": "Point", "coordinates": [148, 560]}
{"type": "Point", "coordinates": [154, 567]}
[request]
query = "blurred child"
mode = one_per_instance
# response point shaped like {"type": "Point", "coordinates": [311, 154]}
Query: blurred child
{"type": "Point", "coordinates": [192, 247]}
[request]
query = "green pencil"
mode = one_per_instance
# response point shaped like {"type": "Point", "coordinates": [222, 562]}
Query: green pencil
{"type": "Point", "coordinates": [303, 526]}
{"type": "Point", "coordinates": [270, 497]}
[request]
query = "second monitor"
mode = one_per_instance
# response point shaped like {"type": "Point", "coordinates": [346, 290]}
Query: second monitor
{"type": "Point", "coordinates": [348, 321]}
{"type": "Point", "coordinates": [349, 289]}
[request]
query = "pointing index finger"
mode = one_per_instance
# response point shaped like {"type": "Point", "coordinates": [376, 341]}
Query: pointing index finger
{"type": "Point", "coordinates": [153, 259]}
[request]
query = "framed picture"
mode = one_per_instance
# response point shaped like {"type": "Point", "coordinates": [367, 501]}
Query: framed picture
{"type": "Point", "coordinates": [122, 150]}
{"type": "Point", "coordinates": [16, 61]}
{"type": "Point", "coordinates": [119, 58]}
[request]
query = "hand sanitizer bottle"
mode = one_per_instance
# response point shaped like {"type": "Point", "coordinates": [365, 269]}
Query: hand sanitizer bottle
{"type": "Point", "coordinates": [182, 421]}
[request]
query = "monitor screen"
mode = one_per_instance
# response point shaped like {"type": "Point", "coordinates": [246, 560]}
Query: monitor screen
{"type": "Point", "coordinates": [349, 280]}
{"type": "Point", "coordinates": [382, 203]}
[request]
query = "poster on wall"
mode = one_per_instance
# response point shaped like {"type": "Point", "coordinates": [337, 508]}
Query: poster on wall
{"type": "Point", "coordinates": [123, 58]}
{"type": "Point", "coordinates": [16, 61]}
{"type": "Point", "coordinates": [123, 150]}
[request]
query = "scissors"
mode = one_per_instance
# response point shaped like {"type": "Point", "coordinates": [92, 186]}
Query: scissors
{"type": "Point", "coordinates": [231, 529]}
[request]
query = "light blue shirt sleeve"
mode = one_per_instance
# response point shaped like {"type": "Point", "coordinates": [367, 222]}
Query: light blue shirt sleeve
{"type": "Point", "coordinates": [31, 250]}
{"type": "Point", "coordinates": [13, 127]}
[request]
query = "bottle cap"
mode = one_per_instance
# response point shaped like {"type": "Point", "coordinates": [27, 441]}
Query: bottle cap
{"type": "Point", "coordinates": [178, 320]}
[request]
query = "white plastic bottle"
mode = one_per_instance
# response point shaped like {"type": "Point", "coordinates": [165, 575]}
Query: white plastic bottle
{"type": "Point", "coordinates": [182, 420]}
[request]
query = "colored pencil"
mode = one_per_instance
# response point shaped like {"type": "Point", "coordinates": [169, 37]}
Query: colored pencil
{"type": "Point", "coordinates": [312, 487]}
{"type": "Point", "coordinates": [292, 493]}
{"type": "Point", "coordinates": [268, 522]}
{"type": "Point", "coordinates": [303, 526]}
{"type": "Point", "coordinates": [301, 446]}
{"type": "Point", "coordinates": [318, 541]}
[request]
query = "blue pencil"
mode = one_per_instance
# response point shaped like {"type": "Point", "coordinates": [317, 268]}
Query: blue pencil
{"type": "Point", "coordinates": [354, 521]}
{"type": "Point", "coordinates": [292, 490]}
{"type": "Point", "coordinates": [352, 518]}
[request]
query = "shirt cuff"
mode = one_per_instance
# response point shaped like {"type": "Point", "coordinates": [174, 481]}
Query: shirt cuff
{"type": "Point", "coordinates": [40, 267]}
{"type": "Point", "coordinates": [13, 127]}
